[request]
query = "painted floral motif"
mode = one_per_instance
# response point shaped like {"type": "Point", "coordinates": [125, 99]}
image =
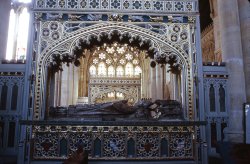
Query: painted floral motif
{"type": "Point", "coordinates": [128, 56]}
{"type": "Point", "coordinates": [51, 4]}
{"type": "Point", "coordinates": [61, 3]}
{"type": "Point", "coordinates": [137, 5]}
{"type": "Point", "coordinates": [179, 6]}
{"type": "Point", "coordinates": [176, 29]}
{"type": "Point", "coordinates": [45, 32]}
{"type": "Point", "coordinates": [169, 6]}
{"type": "Point", "coordinates": [183, 36]}
{"type": "Point", "coordinates": [40, 3]}
{"type": "Point", "coordinates": [105, 4]}
{"type": "Point", "coordinates": [110, 50]}
{"type": "Point", "coordinates": [53, 26]}
{"type": "Point", "coordinates": [55, 35]}
{"type": "Point", "coordinates": [83, 3]}
{"type": "Point", "coordinates": [72, 3]}
{"type": "Point", "coordinates": [116, 4]}
{"type": "Point", "coordinates": [95, 61]}
{"type": "Point", "coordinates": [189, 6]}
{"type": "Point", "coordinates": [102, 56]}
{"type": "Point", "coordinates": [120, 50]}
{"type": "Point", "coordinates": [147, 5]}
{"type": "Point", "coordinates": [174, 37]}
{"type": "Point", "coordinates": [122, 61]}
{"type": "Point", "coordinates": [94, 4]}
{"type": "Point", "coordinates": [158, 5]}
{"type": "Point", "coordinates": [108, 61]}
{"type": "Point", "coordinates": [126, 4]}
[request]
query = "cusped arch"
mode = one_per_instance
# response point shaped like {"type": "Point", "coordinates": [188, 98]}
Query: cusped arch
{"type": "Point", "coordinates": [155, 43]}
{"type": "Point", "coordinates": [151, 40]}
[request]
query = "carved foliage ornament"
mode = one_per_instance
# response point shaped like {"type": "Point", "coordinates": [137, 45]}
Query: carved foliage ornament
{"type": "Point", "coordinates": [114, 36]}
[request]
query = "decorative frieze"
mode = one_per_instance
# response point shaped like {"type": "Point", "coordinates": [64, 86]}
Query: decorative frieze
{"type": "Point", "coordinates": [114, 142]}
{"type": "Point", "coordinates": [120, 6]}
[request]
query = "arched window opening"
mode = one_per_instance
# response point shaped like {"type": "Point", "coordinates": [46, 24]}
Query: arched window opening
{"type": "Point", "coordinates": [18, 33]}
{"type": "Point", "coordinates": [119, 95]}
{"type": "Point", "coordinates": [14, 97]}
{"type": "Point", "coordinates": [22, 36]}
{"type": "Point", "coordinates": [222, 99]}
{"type": "Point", "coordinates": [129, 70]}
{"type": "Point", "coordinates": [111, 71]}
{"type": "Point", "coordinates": [10, 42]}
{"type": "Point", "coordinates": [212, 98]}
{"type": "Point", "coordinates": [111, 95]}
{"type": "Point", "coordinates": [137, 70]}
{"type": "Point", "coordinates": [92, 70]}
{"type": "Point", "coordinates": [119, 71]}
{"type": "Point", "coordinates": [102, 69]}
{"type": "Point", "coordinates": [4, 95]}
{"type": "Point", "coordinates": [117, 60]}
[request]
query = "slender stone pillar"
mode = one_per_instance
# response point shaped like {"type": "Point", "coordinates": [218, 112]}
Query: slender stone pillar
{"type": "Point", "coordinates": [57, 89]}
{"type": "Point", "coordinates": [244, 12]}
{"type": "Point", "coordinates": [153, 83]}
{"type": "Point", "coordinates": [64, 86]}
{"type": "Point", "coordinates": [75, 84]}
{"type": "Point", "coordinates": [5, 7]}
{"type": "Point", "coordinates": [70, 84]}
{"type": "Point", "coordinates": [159, 82]}
{"type": "Point", "coordinates": [232, 54]}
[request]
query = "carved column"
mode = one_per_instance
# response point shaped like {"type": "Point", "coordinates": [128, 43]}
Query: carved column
{"type": "Point", "coordinates": [232, 54]}
{"type": "Point", "coordinates": [145, 78]}
{"type": "Point", "coordinates": [57, 88]}
{"type": "Point", "coordinates": [244, 12]}
{"type": "Point", "coordinates": [159, 82]}
{"type": "Point", "coordinates": [70, 81]}
{"type": "Point", "coordinates": [64, 86]}
{"type": "Point", "coordinates": [153, 82]}
{"type": "Point", "coordinates": [167, 85]}
{"type": "Point", "coordinates": [75, 84]}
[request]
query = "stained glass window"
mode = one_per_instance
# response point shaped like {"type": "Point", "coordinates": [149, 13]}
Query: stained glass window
{"type": "Point", "coordinates": [119, 71]}
{"type": "Point", "coordinates": [129, 70]}
{"type": "Point", "coordinates": [10, 42]}
{"type": "Point", "coordinates": [138, 70]}
{"type": "Point", "coordinates": [92, 70]}
{"type": "Point", "coordinates": [111, 71]}
{"type": "Point", "coordinates": [115, 60]}
{"type": "Point", "coordinates": [18, 30]}
{"type": "Point", "coordinates": [22, 37]}
{"type": "Point", "coordinates": [102, 69]}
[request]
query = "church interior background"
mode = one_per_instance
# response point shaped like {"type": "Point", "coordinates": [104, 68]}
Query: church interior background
{"type": "Point", "coordinates": [129, 81]}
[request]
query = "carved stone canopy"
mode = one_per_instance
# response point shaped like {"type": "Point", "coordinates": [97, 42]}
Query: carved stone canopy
{"type": "Point", "coordinates": [93, 41]}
